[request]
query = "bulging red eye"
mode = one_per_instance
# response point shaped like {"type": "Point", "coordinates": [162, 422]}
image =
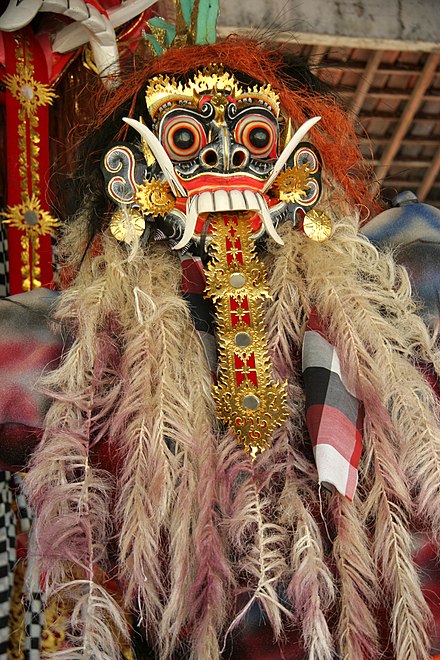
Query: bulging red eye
{"type": "Point", "coordinates": [258, 135]}
{"type": "Point", "coordinates": [183, 137]}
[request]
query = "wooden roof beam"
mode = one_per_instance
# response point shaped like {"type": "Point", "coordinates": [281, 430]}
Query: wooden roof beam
{"type": "Point", "coordinates": [326, 40]}
{"type": "Point", "coordinates": [430, 177]}
{"type": "Point", "coordinates": [409, 112]}
{"type": "Point", "coordinates": [365, 81]}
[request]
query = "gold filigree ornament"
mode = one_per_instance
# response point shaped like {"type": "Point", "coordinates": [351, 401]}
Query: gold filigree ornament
{"type": "Point", "coordinates": [155, 197]}
{"type": "Point", "coordinates": [34, 221]}
{"type": "Point", "coordinates": [293, 183]}
{"type": "Point", "coordinates": [126, 224]}
{"type": "Point", "coordinates": [317, 225]}
{"type": "Point", "coordinates": [247, 397]}
{"type": "Point", "coordinates": [163, 92]}
{"type": "Point", "coordinates": [28, 216]}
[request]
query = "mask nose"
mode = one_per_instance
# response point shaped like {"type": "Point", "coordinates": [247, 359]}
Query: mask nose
{"type": "Point", "coordinates": [223, 154]}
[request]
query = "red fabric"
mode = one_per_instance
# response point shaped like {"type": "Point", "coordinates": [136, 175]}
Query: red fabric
{"type": "Point", "coordinates": [13, 154]}
{"type": "Point", "coordinates": [329, 425]}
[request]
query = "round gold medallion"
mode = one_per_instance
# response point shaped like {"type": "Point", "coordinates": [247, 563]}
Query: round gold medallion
{"type": "Point", "coordinates": [317, 226]}
{"type": "Point", "coordinates": [126, 222]}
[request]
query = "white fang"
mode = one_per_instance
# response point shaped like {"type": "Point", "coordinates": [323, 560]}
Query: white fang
{"type": "Point", "coordinates": [192, 213]}
{"type": "Point", "coordinates": [267, 221]}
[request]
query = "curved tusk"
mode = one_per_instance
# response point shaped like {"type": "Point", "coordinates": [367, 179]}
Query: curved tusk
{"type": "Point", "coordinates": [191, 221]}
{"type": "Point", "coordinates": [287, 151]}
{"type": "Point", "coordinates": [267, 221]}
{"type": "Point", "coordinates": [160, 155]}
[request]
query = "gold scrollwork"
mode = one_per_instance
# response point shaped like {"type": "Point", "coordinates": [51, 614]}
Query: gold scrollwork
{"type": "Point", "coordinates": [162, 90]}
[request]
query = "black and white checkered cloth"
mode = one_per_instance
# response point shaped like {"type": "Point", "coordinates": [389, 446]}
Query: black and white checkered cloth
{"type": "Point", "coordinates": [34, 625]}
{"type": "Point", "coordinates": [34, 610]}
{"type": "Point", "coordinates": [4, 265]}
{"type": "Point", "coordinates": [7, 558]}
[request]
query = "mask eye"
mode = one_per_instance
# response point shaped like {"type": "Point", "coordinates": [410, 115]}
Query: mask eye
{"type": "Point", "coordinates": [307, 157]}
{"type": "Point", "coordinates": [258, 135]}
{"type": "Point", "coordinates": [183, 137]}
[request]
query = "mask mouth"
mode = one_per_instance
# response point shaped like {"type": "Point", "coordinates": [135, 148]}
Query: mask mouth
{"type": "Point", "coordinates": [224, 201]}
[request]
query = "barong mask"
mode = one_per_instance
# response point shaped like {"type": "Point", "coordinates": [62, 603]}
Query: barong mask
{"type": "Point", "coordinates": [216, 146]}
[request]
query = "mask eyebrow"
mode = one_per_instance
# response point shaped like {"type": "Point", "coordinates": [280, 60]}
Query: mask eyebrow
{"type": "Point", "coordinates": [256, 110]}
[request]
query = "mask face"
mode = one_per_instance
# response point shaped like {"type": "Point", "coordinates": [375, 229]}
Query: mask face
{"type": "Point", "coordinates": [215, 146]}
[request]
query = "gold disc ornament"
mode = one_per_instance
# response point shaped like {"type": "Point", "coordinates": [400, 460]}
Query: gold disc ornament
{"type": "Point", "coordinates": [126, 222]}
{"type": "Point", "coordinates": [317, 226]}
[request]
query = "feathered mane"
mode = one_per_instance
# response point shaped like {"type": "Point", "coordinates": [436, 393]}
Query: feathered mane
{"type": "Point", "coordinates": [202, 532]}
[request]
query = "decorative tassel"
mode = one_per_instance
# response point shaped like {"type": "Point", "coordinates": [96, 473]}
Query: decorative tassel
{"type": "Point", "coordinates": [416, 416]}
{"type": "Point", "coordinates": [71, 501]}
{"type": "Point", "coordinates": [258, 541]}
{"type": "Point", "coordinates": [214, 578]}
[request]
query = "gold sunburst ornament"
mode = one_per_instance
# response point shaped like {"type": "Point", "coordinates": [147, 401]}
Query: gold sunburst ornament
{"type": "Point", "coordinates": [30, 92]}
{"type": "Point", "coordinates": [293, 183]}
{"type": "Point", "coordinates": [30, 217]}
{"type": "Point", "coordinates": [34, 221]}
{"type": "Point", "coordinates": [155, 197]}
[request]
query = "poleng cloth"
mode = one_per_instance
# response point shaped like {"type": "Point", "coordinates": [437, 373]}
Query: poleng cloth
{"type": "Point", "coordinates": [334, 415]}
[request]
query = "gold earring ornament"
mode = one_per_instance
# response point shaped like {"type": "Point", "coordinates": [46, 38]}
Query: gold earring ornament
{"type": "Point", "coordinates": [127, 223]}
{"type": "Point", "coordinates": [317, 225]}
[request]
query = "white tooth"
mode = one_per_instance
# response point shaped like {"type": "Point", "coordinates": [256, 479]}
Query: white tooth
{"type": "Point", "coordinates": [251, 200]}
{"type": "Point", "coordinates": [221, 201]}
{"type": "Point", "coordinates": [192, 213]}
{"type": "Point", "coordinates": [206, 202]}
{"type": "Point", "coordinates": [267, 220]}
{"type": "Point", "coordinates": [160, 155]}
{"type": "Point", "coordinates": [284, 156]}
{"type": "Point", "coordinates": [238, 202]}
